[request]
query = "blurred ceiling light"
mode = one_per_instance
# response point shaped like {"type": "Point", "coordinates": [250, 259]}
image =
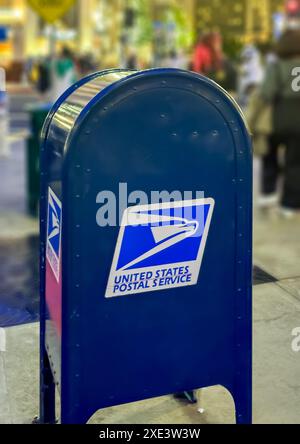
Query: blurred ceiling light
{"type": "Point", "coordinates": [97, 16]}
{"type": "Point", "coordinates": [18, 13]}
{"type": "Point", "coordinates": [11, 13]}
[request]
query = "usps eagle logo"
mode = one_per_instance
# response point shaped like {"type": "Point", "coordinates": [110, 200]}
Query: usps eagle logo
{"type": "Point", "coordinates": [54, 232]}
{"type": "Point", "coordinates": [160, 246]}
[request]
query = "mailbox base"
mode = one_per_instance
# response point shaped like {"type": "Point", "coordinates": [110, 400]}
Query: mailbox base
{"type": "Point", "coordinates": [69, 415]}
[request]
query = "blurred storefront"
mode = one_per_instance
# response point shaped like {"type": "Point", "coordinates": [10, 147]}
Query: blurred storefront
{"type": "Point", "coordinates": [132, 32]}
{"type": "Point", "coordinates": [25, 35]}
{"type": "Point", "coordinates": [243, 22]}
{"type": "Point", "coordinates": [12, 36]}
{"type": "Point", "coordinates": [109, 29]}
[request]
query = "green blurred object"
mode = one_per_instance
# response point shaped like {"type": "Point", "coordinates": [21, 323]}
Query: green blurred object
{"type": "Point", "coordinates": [38, 113]}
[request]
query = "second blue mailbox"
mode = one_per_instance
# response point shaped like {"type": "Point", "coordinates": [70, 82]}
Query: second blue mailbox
{"type": "Point", "coordinates": [146, 222]}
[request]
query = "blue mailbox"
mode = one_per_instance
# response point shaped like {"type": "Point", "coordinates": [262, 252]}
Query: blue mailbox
{"type": "Point", "coordinates": [146, 243]}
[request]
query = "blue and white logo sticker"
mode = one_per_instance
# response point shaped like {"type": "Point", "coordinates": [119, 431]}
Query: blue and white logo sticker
{"type": "Point", "coordinates": [54, 232]}
{"type": "Point", "coordinates": [159, 247]}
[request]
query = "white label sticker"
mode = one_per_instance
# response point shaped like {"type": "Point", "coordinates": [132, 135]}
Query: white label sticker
{"type": "Point", "coordinates": [160, 246]}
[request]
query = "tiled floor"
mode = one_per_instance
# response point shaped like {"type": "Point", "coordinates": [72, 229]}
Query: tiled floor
{"type": "Point", "coordinates": [276, 304]}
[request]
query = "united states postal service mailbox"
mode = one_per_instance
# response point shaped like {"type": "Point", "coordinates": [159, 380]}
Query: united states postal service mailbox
{"type": "Point", "coordinates": [146, 243]}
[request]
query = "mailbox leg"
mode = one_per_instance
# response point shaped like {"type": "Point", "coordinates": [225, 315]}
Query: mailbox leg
{"type": "Point", "coordinates": [244, 413]}
{"type": "Point", "coordinates": [243, 404]}
{"type": "Point", "coordinates": [73, 415]}
{"type": "Point", "coordinates": [47, 391]}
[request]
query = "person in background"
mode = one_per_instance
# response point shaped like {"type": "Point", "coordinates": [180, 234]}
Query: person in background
{"type": "Point", "coordinates": [209, 60]}
{"type": "Point", "coordinates": [203, 58]}
{"type": "Point", "coordinates": [86, 64]}
{"type": "Point", "coordinates": [43, 81]}
{"type": "Point", "coordinates": [277, 91]}
{"type": "Point", "coordinates": [63, 73]}
{"type": "Point", "coordinates": [251, 73]}
{"type": "Point", "coordinates": [176, 59]}
{"type": "Point", "coordinates": [131, 60]}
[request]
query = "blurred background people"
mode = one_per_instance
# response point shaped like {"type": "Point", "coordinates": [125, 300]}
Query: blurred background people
{"type": "Point", "coordinates": [209, 59]}
{"type": "Point", "coordinates": [203, 57]}
{"type": "Point", "coordinates": [86, 64]}
{"type": "Point", "coordinates": [277, 91]}
{"type": "Point", "coordinates": [176, 59]}
{"type": "Point", "coordinates": [43, 75]}
{"type": "Point", "coordinates": [63, 73]}
{"type": "Point", "coordinates": [131, 59]}
{"type": "Point", "coordinates": [250, 74]}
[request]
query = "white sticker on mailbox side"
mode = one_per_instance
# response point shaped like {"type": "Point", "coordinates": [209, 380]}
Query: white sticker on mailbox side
{"type": "Point", "coordinates": [160, 246]}
{"type": "Point", "coordinates": [53, 247]}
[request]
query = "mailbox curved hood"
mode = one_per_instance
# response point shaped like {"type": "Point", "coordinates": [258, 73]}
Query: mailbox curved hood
{"type": "Point", "coordinates": [77, 101]}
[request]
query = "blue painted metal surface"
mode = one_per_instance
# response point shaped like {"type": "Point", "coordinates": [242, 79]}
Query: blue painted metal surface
{"type": "Point", "coordinates": [160, 129]}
